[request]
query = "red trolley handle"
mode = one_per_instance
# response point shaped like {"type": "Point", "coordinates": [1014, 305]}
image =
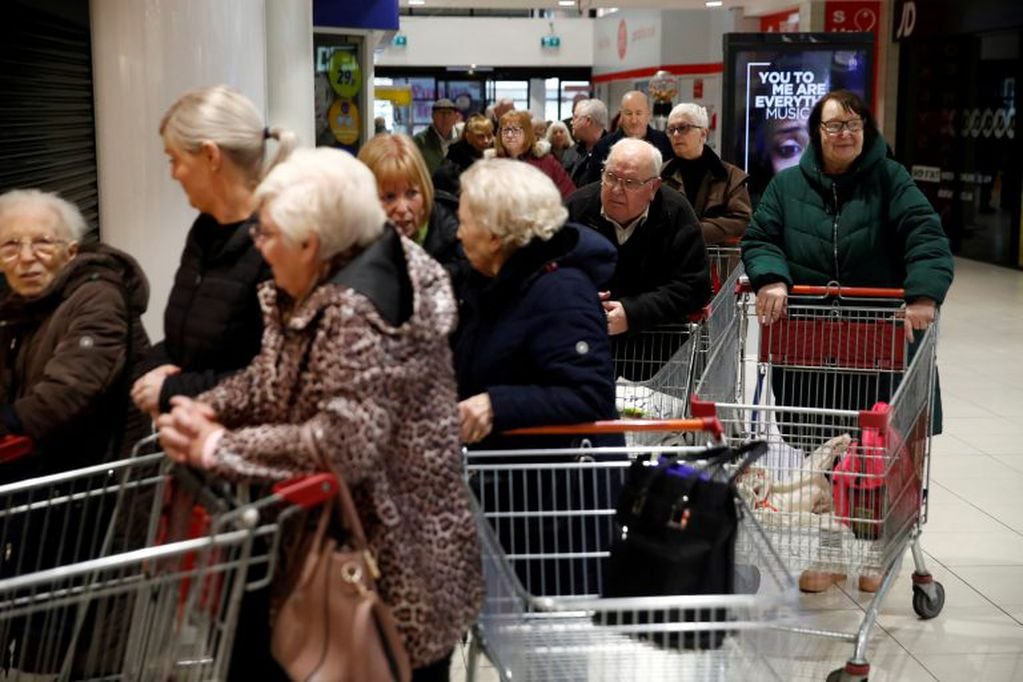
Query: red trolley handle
{"type": "Point", "coordinates": [834, 290]}
{"type": "Point", "coordinates": [13, 448]}
{"type": "Point", "coordinates": [847, 292]}
{"type": "Point", "coordinates": [308, 491]}
{"type": "Point", "coordinates": [701, 425]}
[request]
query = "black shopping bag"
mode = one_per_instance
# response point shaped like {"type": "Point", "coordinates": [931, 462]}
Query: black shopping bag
{"type": "Point", "coordinates": [675, 534]}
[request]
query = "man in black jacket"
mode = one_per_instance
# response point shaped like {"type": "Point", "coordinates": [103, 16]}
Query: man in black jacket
{"type": "Point", "coordinates": [662, 274]}
{"type": "Point", "coordinates": [634, 123]}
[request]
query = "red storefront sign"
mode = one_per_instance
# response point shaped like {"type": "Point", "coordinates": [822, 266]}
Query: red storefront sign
{"type": "Point", "coordinates": [864, 16]}
{"type": "Point", "coordinates": [847, 15]}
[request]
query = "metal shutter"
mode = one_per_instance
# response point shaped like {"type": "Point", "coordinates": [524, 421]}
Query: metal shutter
{"type": "Point", "coordinates": [47, 133]}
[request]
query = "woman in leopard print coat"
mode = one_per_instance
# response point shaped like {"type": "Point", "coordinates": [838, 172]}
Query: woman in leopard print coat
{"type": "Point", "coordinates": [355, 356]}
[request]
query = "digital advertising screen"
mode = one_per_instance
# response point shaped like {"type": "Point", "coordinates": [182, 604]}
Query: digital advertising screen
{"type": "Point", "coordinates": [771, 83]}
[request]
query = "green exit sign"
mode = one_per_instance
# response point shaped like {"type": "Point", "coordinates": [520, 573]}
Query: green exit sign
{"type": "Point", "coordinates": [550, 41]}
{"type": "Point", "coordinates": [400, 41]}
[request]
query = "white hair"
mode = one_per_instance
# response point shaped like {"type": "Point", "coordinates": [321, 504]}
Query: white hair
{"type": "Point", "coordinates": [513, 200]}
{"type": "Point", "coordinates": [559, 125]}
{"type": "Point", "coordinates": [325, 192]}
{"type": "Point", "coordinates": [595, 109]}
{"type": "Point", "coordinates": [691, 111]}
{"type": "Point", "coordinates": [69, 219]}
{"type": "Point", "coordinates": [629, 146]}
{"type": "Point", "coordinates": [224, 116]}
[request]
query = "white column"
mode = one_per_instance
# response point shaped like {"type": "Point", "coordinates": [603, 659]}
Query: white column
{"type": "Point", "coordinates": [537, 97]}
{"type": "Point", "coordinates": [289, 67]}
{"type": "Point", "coordinates": [145, 54]}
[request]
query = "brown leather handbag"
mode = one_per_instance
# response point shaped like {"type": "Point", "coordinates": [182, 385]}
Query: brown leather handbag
{"type": "Point", "coordinates": [332, 625]}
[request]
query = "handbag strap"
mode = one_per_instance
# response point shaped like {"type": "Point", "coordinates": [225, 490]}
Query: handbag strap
{"type": "Point", "coordinates": [349, 517]}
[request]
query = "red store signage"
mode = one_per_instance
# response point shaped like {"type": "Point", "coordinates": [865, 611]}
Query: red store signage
{"type": "Point", "coordinates": [841, 16]}
{"type": "Point", "coordinates": [847, 15]}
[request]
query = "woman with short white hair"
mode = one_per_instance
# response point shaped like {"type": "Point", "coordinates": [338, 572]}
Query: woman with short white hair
{"type": "Point", "coordinates": [355, 374]}
{"type": "Point", "coordinates": [562, 144]}
{"type": "Point", "coordinates": [532, 346]}
{"type": "Point", "coordinates": [532, 349]}
{"type": "Point", "coordinates": [69, 334]}
{"type": "Point", "coordinates": [716, 189]}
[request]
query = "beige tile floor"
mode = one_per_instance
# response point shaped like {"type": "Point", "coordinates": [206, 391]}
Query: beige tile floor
{"type": "Point", "coordinates": [973, 540]}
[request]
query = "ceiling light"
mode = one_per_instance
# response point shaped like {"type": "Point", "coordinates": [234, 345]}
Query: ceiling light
{"type": "Point", "coordinates": [709, 3]}
{"type": "Point", "coordinates": [416, 2]}
{"type": "Point", "coordinates": [566, 3]}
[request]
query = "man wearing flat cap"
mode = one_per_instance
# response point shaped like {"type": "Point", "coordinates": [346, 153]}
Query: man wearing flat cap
{"type": "Point", "coordinates": [433, 142]}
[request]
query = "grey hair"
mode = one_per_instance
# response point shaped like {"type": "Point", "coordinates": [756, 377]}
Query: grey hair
{"type": "Point", "coordinates": [629, 146]}
{"type": "Point", "coordinates": [513, 200]}
{"type": "Point", "coordinates": [69, 218]}
{"type": "Point", "coordinates": [559, 125]}
{"type": "Point", "coordinates": [595, 109]}
{"type": "Point", "coordinates": [224, 116]}
{"type": "Point", "coordinates": [693, 112]}
{"type": "Point", "coordinates": [326, 192]}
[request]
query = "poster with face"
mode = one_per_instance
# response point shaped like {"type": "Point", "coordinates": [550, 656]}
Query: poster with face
{"type": "Point", "coordinates": [770, 91]}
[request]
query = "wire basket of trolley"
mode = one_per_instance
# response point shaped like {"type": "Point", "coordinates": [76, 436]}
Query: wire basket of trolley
{"type": "Point", "coordinates": [844, 397]}
{"type": "Point", "coordinates": [656, 369]}
{"type": "Point", "coordinates": [724, 259]}
{"type": "Point", "coordinates": [133, 569]}
{"type": "Point", "coordinates": [625, 563]}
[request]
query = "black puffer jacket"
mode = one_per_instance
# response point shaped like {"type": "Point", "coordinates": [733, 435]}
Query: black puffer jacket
{"type": "Point", "coordinates": [442, 241]}
{"type": "Point", "coordinates": [68, 357]}
{"type": "Point", "coordinates": [212, 325]}
{"type": "Point", "coordinates": [460, 156]}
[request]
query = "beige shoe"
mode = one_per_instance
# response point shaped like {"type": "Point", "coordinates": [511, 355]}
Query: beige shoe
{"type": "Point", "coordinates": [869, 582]}
{"type": "Point", "coordinates": [818, 581]}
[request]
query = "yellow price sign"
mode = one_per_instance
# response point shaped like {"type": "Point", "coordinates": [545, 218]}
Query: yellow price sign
{"type": "Point", "coordinates": [344, 121]}
{"type": "Point", "coordinates": [345, 73]}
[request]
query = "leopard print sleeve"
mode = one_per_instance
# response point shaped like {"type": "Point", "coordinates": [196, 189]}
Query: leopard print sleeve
{"type": "Point", "coordinates": [347, 420]}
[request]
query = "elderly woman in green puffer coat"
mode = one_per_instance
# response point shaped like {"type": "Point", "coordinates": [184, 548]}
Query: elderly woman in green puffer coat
{"type": "Point", "coordinates": [848, 214]}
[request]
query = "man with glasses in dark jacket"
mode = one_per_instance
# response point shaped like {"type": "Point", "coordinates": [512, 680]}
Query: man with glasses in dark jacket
{"type": "Point", "coordinates": [662, 274]}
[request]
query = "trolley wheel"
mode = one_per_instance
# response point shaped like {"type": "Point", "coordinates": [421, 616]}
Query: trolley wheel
{"type": "Point", "coordinates": [851, 672]}
{"type": "Point", "coordinates": [925, 606]}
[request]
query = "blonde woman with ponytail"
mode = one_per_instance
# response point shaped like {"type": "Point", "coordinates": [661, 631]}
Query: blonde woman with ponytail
{"type": "Point", "coordinates": [219, 149]}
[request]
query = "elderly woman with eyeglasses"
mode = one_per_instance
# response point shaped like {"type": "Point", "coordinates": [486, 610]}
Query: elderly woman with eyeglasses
{"type": "Point", "coordinates": [516, 139]}
{"type": "Point", "coordinates": [69, 329]}
{"type": "Point", "coordinates": [848, 213]}
{"type": "Point", "coordinates": [716, 189]}
{"type": "Point", "coordinates": [354, 373]}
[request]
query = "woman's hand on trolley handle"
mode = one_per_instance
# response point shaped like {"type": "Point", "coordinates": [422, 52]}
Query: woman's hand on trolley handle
{"type": "Point", "coordinates": [919, 315]}
{"type": "Point", "coordinates": [476, 418]}
{"type": "Point", "coordinates": [145, 393]}
{"type": "Point", "coordinates": [189, 432]}
{"type": "Point", "coordinates": [772, 302]}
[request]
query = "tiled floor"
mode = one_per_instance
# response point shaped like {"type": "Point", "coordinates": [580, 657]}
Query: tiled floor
{"type": "Point", "coordinates": [974, 538]}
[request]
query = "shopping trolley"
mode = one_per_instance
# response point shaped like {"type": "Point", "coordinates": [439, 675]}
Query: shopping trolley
{"type": "Point", "coordinates": [723, 259]}
{"type": "Point", "coordinates": [134, 569]}
{"type": "Point", "coordinates": [656, 369]}
{"type": "Point", "coordinates": [545, 521]}
{"type": "Point", "coordinates": [845, 402]}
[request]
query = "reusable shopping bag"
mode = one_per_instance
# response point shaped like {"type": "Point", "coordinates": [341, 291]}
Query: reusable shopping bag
{"type": "Point", "coordinates": [877, 484]}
